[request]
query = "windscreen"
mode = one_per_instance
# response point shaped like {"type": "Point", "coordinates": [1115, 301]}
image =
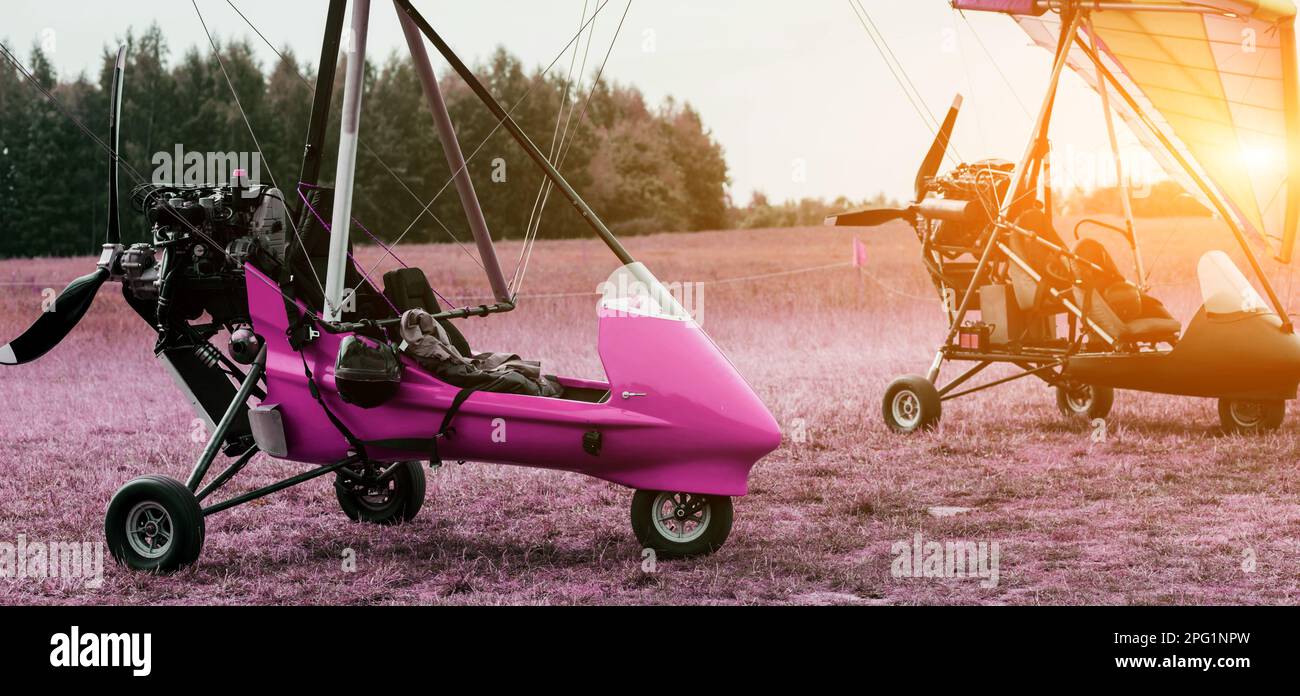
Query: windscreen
{"type": "Point", "coordinates": [1224, 288]}
{"type": "Point", "coordinates": [632, 290]}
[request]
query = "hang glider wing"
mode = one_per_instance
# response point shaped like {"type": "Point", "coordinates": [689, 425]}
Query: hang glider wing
{"type": "Point", "coordinates": [1217, 79]}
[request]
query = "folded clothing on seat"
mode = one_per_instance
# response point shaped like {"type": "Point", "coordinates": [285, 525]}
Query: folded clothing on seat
{"type": "Point", "coordinates": [426, 342]}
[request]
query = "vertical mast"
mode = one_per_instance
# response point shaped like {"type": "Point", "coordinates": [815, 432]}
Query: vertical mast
{"type": "Point", "coordinates": [114, 233]}
{"type": "Point", "coordinates": [322, 94]}
{"type": "Point", "coordinates": [455, 158]}
{"type": "Point", "coordinates": [1069, 27]}
{"type": "Point", "coordinates": [345, 172]}
{"type": "Point", "coordinates": [1121, 183]}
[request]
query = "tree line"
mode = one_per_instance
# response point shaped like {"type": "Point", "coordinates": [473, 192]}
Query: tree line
{"type": "Point", "coordinates": [643, 167]}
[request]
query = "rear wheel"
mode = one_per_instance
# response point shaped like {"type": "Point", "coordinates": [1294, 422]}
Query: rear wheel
{"type": "Point", "coordinates": [1247, 417]}
{"type": "Point", "coordinates": [912, 403]}
{"type": "Point", "coordinates": [678, 525]}
{"type": "Point", "coordinates": [154, 523]}
{"type": "Point", "coordinates": [1079, 401]}
{"type": "Point", "coordinates": [382, 493]}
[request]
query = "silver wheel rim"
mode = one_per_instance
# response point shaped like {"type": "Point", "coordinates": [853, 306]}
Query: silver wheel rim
{"type": "Point", "coordinates": [1080, 399]}
{"type": "Point", "coordinates": [906, 407]}
{"type": "Point", "coordinates": [149, 529]}
{"type": "Point", "coordinates": [1246, 414]}
{"type": "Point", "coordinates": [680, 517]}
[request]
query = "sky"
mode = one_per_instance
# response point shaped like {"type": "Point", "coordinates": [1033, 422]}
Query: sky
{"type": "Point", "coordinates": [797, 94]}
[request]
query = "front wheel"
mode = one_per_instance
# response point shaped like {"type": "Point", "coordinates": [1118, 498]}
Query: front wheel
{"type": "Point", "coordinates": [912, 403]}
{"type": "Point", "coordinates": [381, 493]}
{"type": "Point", "coordinates": [1246, 417]}
{"type": "Point", "coordinates": [154, 523]}
{"type": "Point", "coordinates": [678, 525]}
{"type": "Point", "coordinates": [1078, 401]}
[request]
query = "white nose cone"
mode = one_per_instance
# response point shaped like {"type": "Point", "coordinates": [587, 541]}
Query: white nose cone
{"type": "Point", "coordinates": [7, 356]}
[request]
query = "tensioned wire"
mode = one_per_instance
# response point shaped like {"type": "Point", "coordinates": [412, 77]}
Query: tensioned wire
{"type": "Point", "coordinates": [131, 171]}
{"type": "Point", "coordinates": [427, 205]}
{"type": "Point", "coordinates": [564, 154]}
{"type": "Point", "coordinates": [556, 136]}
{"type": "Point", "coordinates": [495, 128]}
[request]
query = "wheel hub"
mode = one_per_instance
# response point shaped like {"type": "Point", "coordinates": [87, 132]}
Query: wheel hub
{"type": "Point", "coordinates": [907, 409]}
{"type": "Point", "coordinates": [149, 529]}
{"type": "Point", "coordinates": [1247, 413]}
{"type": "Point", "coordinates": [371, 491]}
{"type": "Point", "coordinates": [1080, 398]}
{"type": "Point", "coordinates": [680, 517]}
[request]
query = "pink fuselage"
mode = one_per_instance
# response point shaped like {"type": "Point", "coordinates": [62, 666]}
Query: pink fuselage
{"type": "Point", "coordinates": [699, 427]}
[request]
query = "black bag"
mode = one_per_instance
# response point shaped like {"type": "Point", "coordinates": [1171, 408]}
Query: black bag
{"type": "Point", "coordinates": [368, 373]}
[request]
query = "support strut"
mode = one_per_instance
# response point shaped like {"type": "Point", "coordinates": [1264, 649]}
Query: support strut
{"type": "Point", "coordinates": [455, 158]}
{"type": "Point", "coordinates": [219, 434]}
{"type": "Point", "coordinates": [345, 172]}
{"type": "Point", "coordinates": [530, 148]}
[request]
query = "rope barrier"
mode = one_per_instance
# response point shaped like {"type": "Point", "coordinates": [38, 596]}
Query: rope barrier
{"type": "Point", "coordinates": [592, 293]}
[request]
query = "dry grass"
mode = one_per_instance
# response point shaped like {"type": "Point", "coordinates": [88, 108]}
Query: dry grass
{"type": "Point", "coordinates": [1163, 511]}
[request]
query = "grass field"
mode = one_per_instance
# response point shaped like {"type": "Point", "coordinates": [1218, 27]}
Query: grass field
{"type": "Point", "coordinates": [1164, 510]}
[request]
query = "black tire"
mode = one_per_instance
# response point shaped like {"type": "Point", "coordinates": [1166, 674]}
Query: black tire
{"type": "Point", "coordinates": [912, 403]}
{"type": "Point", "coordinates": [1084, 401]}
{"type": "Point", "coordinates": [395, 500]}
{"type": "Point", "coordinates": [1247, 417]}
{"type": "Point", "coordinates": [704, 520]}
{"type": "Point", "coordinates": [154, 523]}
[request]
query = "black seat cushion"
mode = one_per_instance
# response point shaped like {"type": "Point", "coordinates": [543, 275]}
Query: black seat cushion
{"type": "Point", "coordinates": [1144, 318]}
{"type": "Point", "coordinates": [1125, 299]}
{"type": "Point", "coordinates": [1151, 329]}
{"type": "Point", "coordinates": [408, 288]}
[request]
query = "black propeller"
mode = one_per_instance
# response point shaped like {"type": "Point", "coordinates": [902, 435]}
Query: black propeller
{"type": "Point", "coordinates": [871, 217]}
{"type": "Point", "coordinates": [868, 217]}
{"type": "Point", "coordinates": [934, 158]}
{"type": "Point", "coordinates": [71, 304]}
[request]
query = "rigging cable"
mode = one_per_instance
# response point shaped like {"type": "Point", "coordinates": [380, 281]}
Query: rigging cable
{"type": "Point", "coordinates": [581, 116]}
{"type": "Point", "coordinates": [369, 150]}
{"type": "Point", "coordinates": [899, 73]}
{"type": "Point", "coordinates": [557, 142]}
{"type": "Point", "coordinates": [992, 61]}
{"type": "Point", "coordinates": [216, 53]}
{"type": "Point", "coordinates": [426, 206]}
{"type": "Point", "coordinates": [556, 136]}
{"type": "Point", "coordinates": [130, 170]}
{"type": "Point", "coordinates": [497, 126]}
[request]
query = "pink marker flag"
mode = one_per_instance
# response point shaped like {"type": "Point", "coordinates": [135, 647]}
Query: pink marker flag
{"type": "Point", "coordinates": [859, 253]}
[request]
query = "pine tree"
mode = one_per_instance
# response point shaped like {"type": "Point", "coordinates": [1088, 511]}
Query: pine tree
{"type": "Point", "coordinates": [643, 169]}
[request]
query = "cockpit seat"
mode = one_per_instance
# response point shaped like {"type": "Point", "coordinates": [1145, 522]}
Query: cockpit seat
{"type": "Point", "coordinates": [408, 288]}
{"type": "Point", "coordinates": [1116, 305]}
{"type": "Point", "coordinates": [1053, 270]}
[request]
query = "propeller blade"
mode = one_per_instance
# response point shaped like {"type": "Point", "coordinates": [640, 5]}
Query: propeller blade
{"type": "Point", "coordinates": [868, 217]}
{"type": "Point", "coordinates": [71, 304]}
{"type": "Point", "coordinates": [114, 233]}
{"type": "Point", "coordinates": [934, 158]}
{"type": "Point", "coordinates": [46, 332]}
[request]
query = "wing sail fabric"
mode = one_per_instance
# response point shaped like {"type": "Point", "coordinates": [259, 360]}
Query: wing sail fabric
{"type": "Point", "coordinates": [1220, 85]}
